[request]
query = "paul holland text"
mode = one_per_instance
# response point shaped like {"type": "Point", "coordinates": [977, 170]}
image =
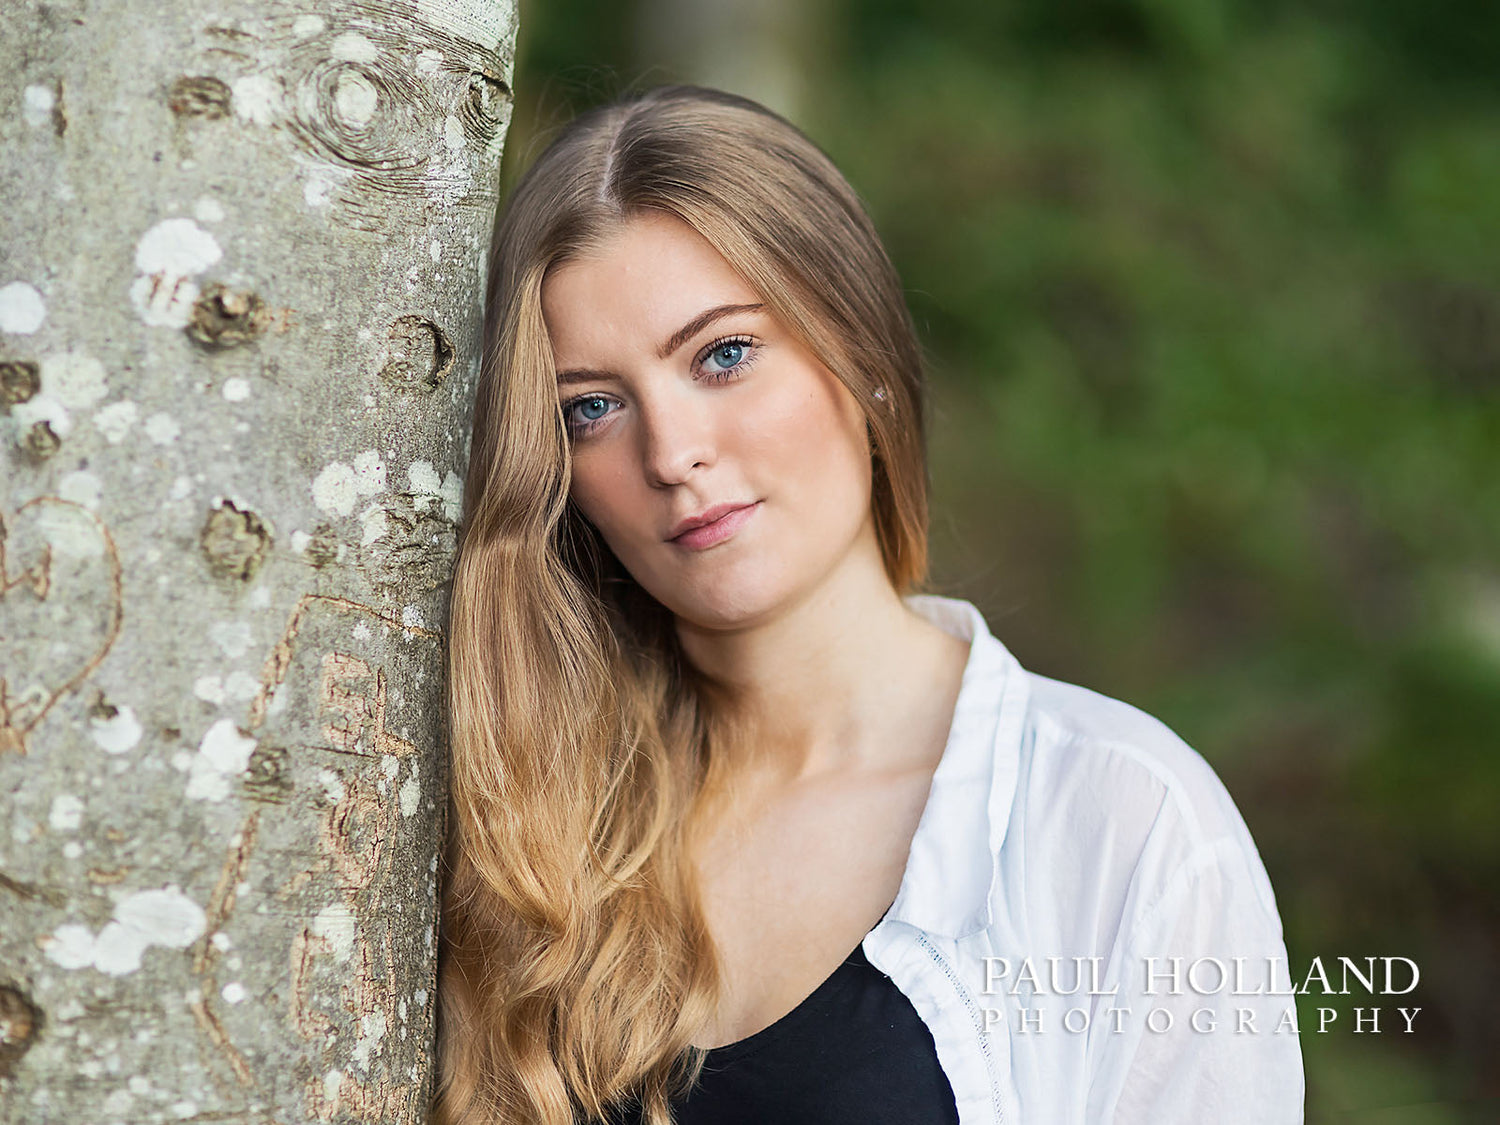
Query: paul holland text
{"type": "Point", "coordinates": [1041, 987]}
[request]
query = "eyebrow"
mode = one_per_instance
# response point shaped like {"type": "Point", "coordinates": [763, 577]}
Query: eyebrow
{"type": "Point", "coordinates": [675, 341]}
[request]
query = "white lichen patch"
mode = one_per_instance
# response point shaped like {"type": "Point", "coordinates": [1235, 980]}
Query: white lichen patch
{"type": "Point", "coordinates": [300, 540]}
{"type": "Point", "coordinates": [336, 924]}
{"type": "Point", "coordinates": [81, 487]}
{"type": "Point", "coordinates": [208, 210]}
{"type": "Point", "coordinates": [374, 523]}
{"type": "Point", "coordinates": [322, 181]}
{"type": "Point", "coordinates": [317, 191]}
{"type": "Point", "coordinates": [37, 104]}
{"type": "Point", "coordinates": [223, 755]}
{"type": "Point", "coordinates": [75, 378]}
{"type": "Point", "coordinates": [333, 489]}
{"type": "Point", "coordinates": [424, 481]}
{"type": "Point", "coordinates": [162, 429]}
{"type": "Point", "coordinates": [351, 46]}
{"type": "Point", "coordinates": [176, 246]}
{"type": "Point", "coordinates": [69, 533]}
{"type": "Point", "coordinates": [182, 488]}
{"type": "Point", "coordinates": [355, 99]}
{"type": "Point", "coordinates": [163, 917]}
{"type": "Point", "coordinates": [453, 134]}
{"type": "Point", "coordinates": [66, 813]}
{"type": "Point", "coordinates": [257, 98]}
{"type": "Point", "coordinates": [428, 488]}
{"type": "Point", "coordinates": [210, 689]}
{"type": "Point", "coordinates": [233, 992]}
{"type": "Point", "coordinates": [72, 850]}
{"type": "Point", "coordinates": [429, 61]}
{"type": "Point", "coordinates": [410, 795]}
{"type": "Point", "coordinates": [236, 389]}
{"type": "Point", "coordinates": [232, 637]}
{"type": "Point", "coordinates": [371, 1032]}
{"type": "Point", "coordinates": [411, 617]}
{"type": "Point", "coordinates": [168, 257]}
{"type": "Point", "coordinates": [22, 309]}
{"type": "Point", "coordinates": [118, 733]}
{"type": "Point", "coordinates": [339, 486]}
{"type": "Point", "coordinates": [114, 421]}
{"type": "Point", "coordinates": [333, 785]}
{"type": "Point", "coordinates": [71, 946]}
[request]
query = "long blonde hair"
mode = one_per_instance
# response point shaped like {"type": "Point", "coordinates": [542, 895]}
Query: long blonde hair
{"type": "Point", "coordinates": [576, 965]}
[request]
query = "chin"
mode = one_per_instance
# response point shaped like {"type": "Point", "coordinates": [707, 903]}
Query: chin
{"type": "Point", "coordinates": [727, 602]}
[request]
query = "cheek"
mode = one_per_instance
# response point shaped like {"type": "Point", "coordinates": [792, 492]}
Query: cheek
{"type": "Point", "coordinates": [815, 438]}
{"type": "Point", "coordinates": [602, 490]}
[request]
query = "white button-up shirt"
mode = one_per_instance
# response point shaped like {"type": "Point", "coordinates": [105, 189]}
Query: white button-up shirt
{"type": "Point", "coordinates": [1084, 923]}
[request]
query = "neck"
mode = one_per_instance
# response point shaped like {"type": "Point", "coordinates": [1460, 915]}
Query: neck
{"type": "Point", "coordinates": [830, 682]}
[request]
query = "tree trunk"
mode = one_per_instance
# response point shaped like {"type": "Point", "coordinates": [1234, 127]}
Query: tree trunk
{"type": "Point", "coordinates": [242, 259]}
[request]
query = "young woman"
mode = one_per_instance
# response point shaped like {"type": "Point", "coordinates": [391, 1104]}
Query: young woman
{"type": "Point", "coordinates": [746, 828]}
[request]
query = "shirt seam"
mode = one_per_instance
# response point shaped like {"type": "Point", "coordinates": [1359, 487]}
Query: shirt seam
{"type": "Point", "coordinates": [1168, 778]}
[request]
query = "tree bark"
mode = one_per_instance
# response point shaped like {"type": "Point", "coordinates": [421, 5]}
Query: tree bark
{"type": "Point", "coordinates": [242, 260]}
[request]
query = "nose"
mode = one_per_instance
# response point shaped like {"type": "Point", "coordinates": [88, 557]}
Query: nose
{"type": "Point", "coordinates": [677, 436]}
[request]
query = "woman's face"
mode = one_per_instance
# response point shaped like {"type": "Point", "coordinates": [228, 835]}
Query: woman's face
{"type": "Point", "coordinates": [683, 397]}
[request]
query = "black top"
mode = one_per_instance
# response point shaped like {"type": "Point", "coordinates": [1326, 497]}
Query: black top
{"type": "Point", "coordinates": [854, 1052]}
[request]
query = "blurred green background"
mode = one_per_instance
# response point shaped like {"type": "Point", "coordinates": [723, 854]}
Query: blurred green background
{"type": "Point", "coordinates": [1211, 292]}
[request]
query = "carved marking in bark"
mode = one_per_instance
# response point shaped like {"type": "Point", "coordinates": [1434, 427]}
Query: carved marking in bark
{"type": "Point", "coordinates": [355, 835]}
{"type": "Point", "coordinates": [273, 672]}
{"type": "Point", "coordinates": [205, 954]}
{"type": "Point", "coordinates": [352, 993]}
{"type": "Point", "coordinates": [21, 710]}
{"type": "Point", "coordinates": [357, 713]}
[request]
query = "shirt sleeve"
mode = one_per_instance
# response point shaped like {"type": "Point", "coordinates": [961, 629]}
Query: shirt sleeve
{"type": "Point", "coordinates": [1203, 1027]}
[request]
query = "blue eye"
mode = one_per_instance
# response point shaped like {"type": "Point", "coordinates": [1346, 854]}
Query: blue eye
{"type": "Point", "coordinates": [726, 358]}
{"type": "Point", "coordinates": [728, 353]}
{"type": "Point", "coordinates": [582, 414]}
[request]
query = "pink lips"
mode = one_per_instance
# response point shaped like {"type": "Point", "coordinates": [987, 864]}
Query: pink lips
{"type": "Point", "coordinates": [720, 529]}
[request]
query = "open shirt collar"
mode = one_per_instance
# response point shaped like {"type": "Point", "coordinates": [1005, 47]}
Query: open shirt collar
{"type": "Point", "coordinates": [953, 862]}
